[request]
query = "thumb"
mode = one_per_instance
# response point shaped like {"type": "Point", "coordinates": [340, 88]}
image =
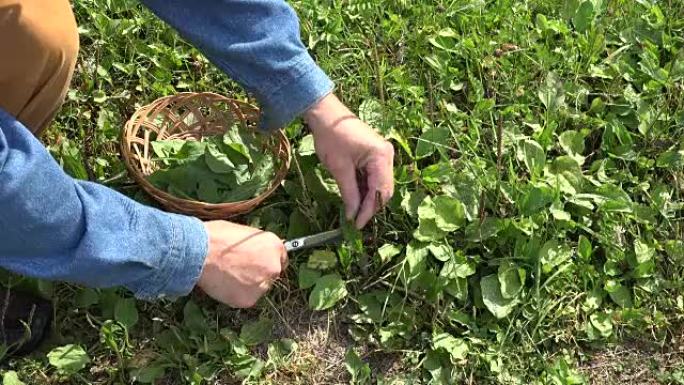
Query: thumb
{"type": "Point", "coordinates": [349, 188]}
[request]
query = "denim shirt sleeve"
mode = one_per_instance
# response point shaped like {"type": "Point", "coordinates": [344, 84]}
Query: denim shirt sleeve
{"type": "Point", "coordinates": [258, 44]}
{"type": "Point", "coordinates": [55, 227]}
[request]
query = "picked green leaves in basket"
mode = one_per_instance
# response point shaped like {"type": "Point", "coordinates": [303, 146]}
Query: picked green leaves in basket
{"type": "Point", "coordinates": [217, 169]}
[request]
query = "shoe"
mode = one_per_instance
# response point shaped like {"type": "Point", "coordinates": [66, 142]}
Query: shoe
{"type": "Point", "coordinates": [24, 321]}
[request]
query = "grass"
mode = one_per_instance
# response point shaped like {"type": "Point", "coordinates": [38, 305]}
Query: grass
{"type": "Point", "coordinates": [547, 135]}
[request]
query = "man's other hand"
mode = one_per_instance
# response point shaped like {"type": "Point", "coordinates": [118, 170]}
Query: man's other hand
{"type": "Point", "coordinates": [359, 159]}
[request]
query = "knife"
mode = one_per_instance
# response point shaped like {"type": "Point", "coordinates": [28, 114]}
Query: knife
{"type": "Point", "coordinates": [313, 240]}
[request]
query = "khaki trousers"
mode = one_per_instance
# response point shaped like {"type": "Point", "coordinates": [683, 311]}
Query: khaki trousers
{"type": "Point", "coordinates": [38, 50]}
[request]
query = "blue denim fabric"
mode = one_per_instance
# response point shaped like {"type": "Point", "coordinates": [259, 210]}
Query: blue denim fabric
{"type": "Point", "coordinates": [257, 43]}
{"type": "Point", "coordinates": [55, 227]}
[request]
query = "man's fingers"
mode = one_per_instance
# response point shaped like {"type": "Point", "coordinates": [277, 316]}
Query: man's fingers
{"type": "Point", "coordinates": [265, 287]}
{"type": "Point", "coordinates": [380, 189]}
{"type": "Point", "coordinates": [349, 188]}
{"type": "Point", "coordinates": [368, 209]}
{"type": "Point", "coordinates": [284, 260]}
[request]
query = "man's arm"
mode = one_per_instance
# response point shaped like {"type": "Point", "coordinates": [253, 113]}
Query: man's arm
{"type": "Point", "coordinates": [55, 227]}
{"type": "Point", "coordinates": [256, 42]}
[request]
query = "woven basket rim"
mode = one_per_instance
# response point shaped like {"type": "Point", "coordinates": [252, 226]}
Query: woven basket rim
{"type": "Point", "coordinates": [280, 148]}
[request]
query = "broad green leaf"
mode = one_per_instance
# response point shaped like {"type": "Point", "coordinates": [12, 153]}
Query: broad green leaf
{"type": "Point", "coordinates": [279, 352]}
{"type": "Point", "coordinates": [415, 261]}
{"type": "Point", "coordinates": [441, 251]}
{"type": "Point", "coordinates": [427, 209]}
{"type": "Point", "coordinates": [644, 270]}
{"type": "Point", "coordinates": [535, 199]}
{"type": "Point", "coordinates": [444, 40]}
{"type": "Point", "coordinates": [218, 161]}
{"type": "Point", "coordinates": [458, 288]}
{"type": "Point", "coordinates": [371, 306]}
{"type": "Point", "coordinates": [164, 149]}
{"type": "Point", "coordinates": [147, 375]}
{"type": "Point", "coordinates": [584, 248]}
{"type": "Point", "coordinates": [671, 160]}
{"type": "Point", "coordinates": [325, 183]}
{"type": "Point", "coordinates": [533, 156]}
{"type": "Point", "coordinates": [257, 332]}
{"type": "Point", "coordinates": [108, 300]}
{"type": "Point", "coordinates": [388, 251]}
{"type": "Point", "coordinates": [412, 200]}
{"type": "Point", "coordinates": [620, 294]}
{"type": "Point", "coordinates": [399, 138]}
{"type": "Point", "coordinates": [307, 277]}
{"type": "Point", "coordinates": [99, 96]}
{"type": "Point", "coordinates": [208, 191]}
{"type": "Point", "coordinates": [126, 312]}
{"type": "Point", "coordinates": [572, 142]}
{"type": "Point", "coordinates": [439, 366]}
{"type": "Point", "coordinates": [495, 302]}
{"type": "Point", "coordinates": [437, 173]}
{"type": "Point", "coordinates": [370, 111]}
{"type": "Point", "coordinates": [240, 145]}
{"type": "Point", "coordinates": [322, 260]}
{"type": "Point", "coordinates": [457, 348]}
{"type": "Point", "coordinates": [602, 323]}
{"type": "Point", "coordinates": [561, 373]}
{"type": "Point", "coordinates": [615, 199]}
{"type": "Point", "coordinates": [428, 231]}
{"type": "Point", "coordinates": [299, 225]}
{"type": "Point", "coordinates": [360, 371]}
{"type": "Point", "coordinates": [558, 213]}
{"type": "Point", "coordinates": [569, 174]}
{"type": "Point", "coordinates": [458, 266]}
{"type": "Point", "coordinates": [68, 359]}
{"type": "Point", "coordinates": [584, 16]}
{"type": "Point", "coordinates": [467, 189]}
{"type": "Point", "coordinates": [190, 151]}
{"type": "Point", "coordinates": [193, 317]}
{"type": "Point", "coordinates": [329, 290]}
{"type": "Point", "coordinates": [511, 279]}
{"type": "Point", "coordinates": [431, 140]}
{"type": "Point", "coordinates": [675, 249]}
{"type": "Point", "coordinates": [449, 213]}
{"type": "Point", "coordinates": [73, 165]}
{"type": "Point", "coordinates": [11, 378]}
{"type": "Point", "coordinates": [306, 146]}
{"type": "Point", "coordinates": [551, 93]}
{"type": "Point", "coordinates": [245, 366]}
{"type": "Point", "coordinates": [87, 297]}
{"type": "Point", "coordinates": [477, 231]}
{"type": "Point", "coordinates": [612, 268]}
{"type": "Point", "coordinates": [553, 254]}
{"type": "Point", "coordinates": [644, 253]}
{"type": "Point", "coordinates": [597, 104]}
{"type": "Point", "coordinates": [593, 301]}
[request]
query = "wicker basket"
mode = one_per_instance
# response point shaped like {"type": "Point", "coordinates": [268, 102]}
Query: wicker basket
{"type": "Point", "coordinates": [191, 116]}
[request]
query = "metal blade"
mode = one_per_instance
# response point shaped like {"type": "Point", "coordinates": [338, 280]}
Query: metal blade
{"type": "Point", "coordinates": [313, 240]}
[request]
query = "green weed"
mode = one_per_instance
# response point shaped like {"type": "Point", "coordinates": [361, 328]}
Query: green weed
{"type": "Point", "coordinates": [536, 220]}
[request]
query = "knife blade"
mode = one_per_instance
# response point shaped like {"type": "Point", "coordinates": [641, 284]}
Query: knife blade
{"type": "Point", "coordinates": [314, 240]}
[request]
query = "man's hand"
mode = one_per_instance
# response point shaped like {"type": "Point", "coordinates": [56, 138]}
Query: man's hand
{"type": "Point", "coordinates": [348, 147]}
{"type": "Point", "coordinates": [242, 263]}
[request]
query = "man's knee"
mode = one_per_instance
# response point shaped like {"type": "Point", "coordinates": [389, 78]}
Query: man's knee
{"type": "Point", "coordinates": [40, 38]}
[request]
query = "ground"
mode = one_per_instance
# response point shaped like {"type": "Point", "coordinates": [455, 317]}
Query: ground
{"type": "Point", "coordinates": [534, 238]}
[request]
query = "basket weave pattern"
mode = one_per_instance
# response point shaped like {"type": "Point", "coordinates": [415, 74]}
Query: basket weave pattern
{"type": "Point", "coordinates": [191, 116]}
